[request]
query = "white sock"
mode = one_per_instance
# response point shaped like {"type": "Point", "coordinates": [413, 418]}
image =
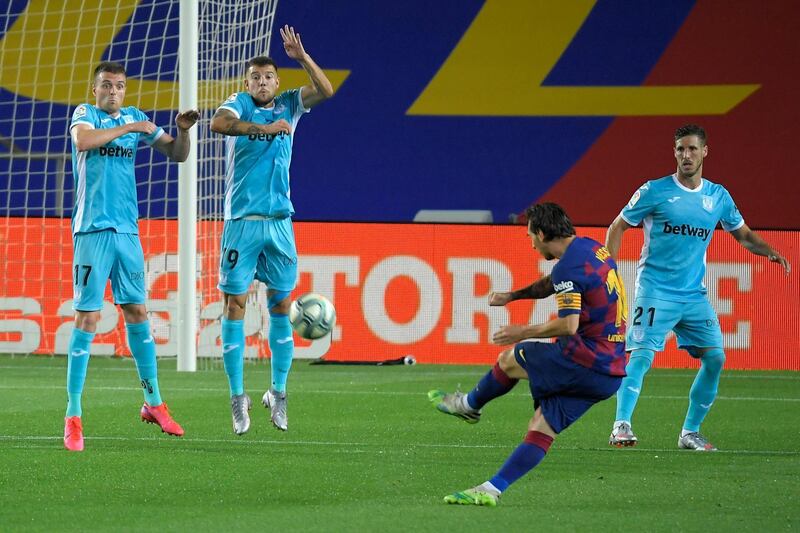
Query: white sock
{"type": "Point", "coordinates": [685, 432]}
{"type": "Point", "coordinates": [488, 487]}
{"type": "Point", "coordinates": [465, 403]}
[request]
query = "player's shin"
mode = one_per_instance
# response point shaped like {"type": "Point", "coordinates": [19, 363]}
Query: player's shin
{"type": "Point", "coordinates": [492, 385]}
{"type": "Point", "coordinates": [143, 349]}
{"type": "Point", "coordinates": [77, 362]}
{"type": "Point", "coordinates": [527, 455]}
{"type": "Point", "coordinates": [704, 388]}
{"type": "Point", "coordinates": [631, 387]}
{"type": "Point", "coordinates": [233, 354]}
{"type": "Point", "coordinates": [281, 345]}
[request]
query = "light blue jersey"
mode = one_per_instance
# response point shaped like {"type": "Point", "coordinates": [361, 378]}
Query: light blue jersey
{"type": "Point", "coordinates": [105, 184]}
{"type": "Point", "coordinates": [678, 225]}
{"type": "Point", "coordinates": [257, 165]}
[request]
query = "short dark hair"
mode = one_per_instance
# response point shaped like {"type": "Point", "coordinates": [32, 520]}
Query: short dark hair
{"type": "Point", "coordinates": [691, 129]}
{"type": "Point", "coordinates": [260, 61]}
{"type": "Point", "coordinates": [111, 67]}
{"type": "Point", "coordinates": [551, 220]}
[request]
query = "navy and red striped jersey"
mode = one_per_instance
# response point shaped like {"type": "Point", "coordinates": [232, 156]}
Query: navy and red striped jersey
{"type": "Point", "coordinates": [586, 282]}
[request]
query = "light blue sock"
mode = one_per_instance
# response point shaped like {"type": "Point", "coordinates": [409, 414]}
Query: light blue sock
{"type": "Point", "coordinates": [77, 362]}
{"type": "Point", "coordinates": [631, 386]}
{"type": "Point", "coordinates": [704, 388]}
{"type": "Point", "coordinates": [233, 354]}
{"type": "Point", "coordinates": [281, 344]}
{"type": "Point", "coordinates": [143, 349]}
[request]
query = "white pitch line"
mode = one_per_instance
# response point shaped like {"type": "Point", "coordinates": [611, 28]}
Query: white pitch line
{"type": "Point", "coordinates": [250, 442]}
{"type": "Point", "coordinates": [370, 393]}
{"type": "Point", "coordinates": [340, 371]}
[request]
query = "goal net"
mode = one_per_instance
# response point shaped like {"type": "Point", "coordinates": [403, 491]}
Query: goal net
{"type": "Point", "coordinates": [48, 51]}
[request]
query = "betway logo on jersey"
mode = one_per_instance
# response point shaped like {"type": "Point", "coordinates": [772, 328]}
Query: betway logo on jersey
{"type": "Point", "coordinates": [116, 151]}
{"type": "Point", "coordinates": [263, 136]}
{"type": "Point", "coordinates": [685, 229]}
{"type": "Point", "coordinates": [564, 286]}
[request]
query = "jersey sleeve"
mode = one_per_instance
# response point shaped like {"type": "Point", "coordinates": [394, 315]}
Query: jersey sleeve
{"type": "Point", "coordinates": [153, 137]}
{"type": "Point", "coordinates": [233, 104]}
{"type": "Point", "coordinates": [568, 287]}
{"type": "Point", "coordinates": [84, 114]}
{"type": "Point", "coordinates": [731, 217]}
{"type": "Point", "coordinates": [294, 101]}
{"type": "Point", "coordinates": [641, 204]}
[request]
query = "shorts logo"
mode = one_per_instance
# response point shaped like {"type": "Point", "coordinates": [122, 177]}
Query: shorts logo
{"type": "Point", "coordinates": [637, 333]}
{"type": "Point", "coordinates": [137, 276]}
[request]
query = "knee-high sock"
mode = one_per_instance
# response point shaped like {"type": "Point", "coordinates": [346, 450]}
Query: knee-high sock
{"type": "Point", "coordinates": [527, 455]}
{"type": "Point", "coordinates": [77, 362]}
{"type": "Point", "coordinates": [493, 385]}
{"type": "Point", "coordinates": [233, 354]}
{"type": "Point", "coordinates": [281, 344]}
{"type": "Point", "coordinates": [143, 349]}
{"type": "Point", "coordinates": [704, 388]}
{"type": "Point", "coordinates": [631, 386]}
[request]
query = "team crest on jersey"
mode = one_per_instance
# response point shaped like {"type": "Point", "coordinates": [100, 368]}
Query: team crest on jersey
{"type": "Point", "coordinates": [278, 109]}
{"type": "Point", "coordinates": [708, 203]}
{"type": "Point", "coordinates": [635, 198]}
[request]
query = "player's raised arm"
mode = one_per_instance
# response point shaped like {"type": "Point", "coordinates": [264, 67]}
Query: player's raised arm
{"type": "Point", "coordinates": [177, 148]}
{"type": "Point", "coordinates": [320, 88]}
{"type": "Point", "coordinates": [86, 138]}
{"type": "Point", "coordinates": [755, 244]}
{"type": "Point", "coordinates": [226, 123]}
{"type": "Point", "coordinates": [614, 236]}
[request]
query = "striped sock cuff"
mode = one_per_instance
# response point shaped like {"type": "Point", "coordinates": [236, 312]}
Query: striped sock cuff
{"type": "Point", "coordinates": [539, 439]}
{"type": "Point", "coordinates": [502, 377]}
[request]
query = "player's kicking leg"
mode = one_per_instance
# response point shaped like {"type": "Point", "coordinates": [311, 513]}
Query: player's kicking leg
{"type": "Point", "coordinates": [499, 380]}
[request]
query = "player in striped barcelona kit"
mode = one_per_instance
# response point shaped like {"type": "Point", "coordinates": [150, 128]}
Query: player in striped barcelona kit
{"type": "Point", "coordinates": [257, 237]}
{"type": "Point", "coordinates": [105, 233]}
{"type": "Point", "coordinates": [678, 214]}
{"type": "Point", "coordinates": [584, 366]}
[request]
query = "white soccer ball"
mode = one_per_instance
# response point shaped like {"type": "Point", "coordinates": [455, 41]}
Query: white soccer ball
{"type": "Point", "coordinates": [312, 316]}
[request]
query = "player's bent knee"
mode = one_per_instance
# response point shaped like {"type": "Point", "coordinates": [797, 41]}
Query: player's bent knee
{"type": "Point", "coordinates": [235, 306]}
{"type": "Point", "coordinates": [134, 313]}
{"type": "Point", "coordinates": [713, 358]}
{"type": "Point", "coordinates": [87, 320]}
{"type": "Point", "coordinates": [279, 302]}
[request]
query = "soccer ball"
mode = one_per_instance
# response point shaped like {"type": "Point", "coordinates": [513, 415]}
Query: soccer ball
{"type": "Point", "coordinates": [312, 316]}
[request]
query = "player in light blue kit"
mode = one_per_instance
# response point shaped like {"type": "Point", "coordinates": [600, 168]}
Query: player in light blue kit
{"type": "Point", "coordinates": [257, 238]}
{"type": "Point", "coordinates": [105, 232]}
{"type": "Point", "coordinates": [678, 214]}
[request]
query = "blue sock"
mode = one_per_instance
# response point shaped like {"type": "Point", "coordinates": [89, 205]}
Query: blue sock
{"type": "Point", "coordinates": [143, 349]}
{"type": "Point", "coordinates": [77, 361]}
{"type": "Point", "coordinates": [631, 386]}
{"type": "Point", "coordinates": [493, 385]}
{"type": "Point", "coordinates": [704, 388]}
{"type": "Point", "coordinates": [527, 455]}
{"type": "Point", "coordinates": [233, 354]}
{"type": "Point", "coordinates": [281, 344]}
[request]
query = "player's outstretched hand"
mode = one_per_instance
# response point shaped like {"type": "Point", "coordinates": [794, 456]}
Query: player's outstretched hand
{"type": "Point", "coordinates": [292, 43]}
{"type": "Point", "coordinates": [277, 127]}
{"type": "Point", "coordinates": [187, 119]}
{"type": "Point", "coordinates": [778, 258]}
{"type": "Point", "coordinates": [142, 126]}
{"type": "Point", "coordinates": [499, 298]}
{"type": "Point", "coordinates": [509, 335]}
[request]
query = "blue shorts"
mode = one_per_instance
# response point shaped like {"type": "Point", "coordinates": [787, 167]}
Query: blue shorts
{"type": "Point", "coordinates": [695, 324]}
{"type": "Point", "coordinates": [260, 249]}
{"type": "Point", "coordinates": [561, 387]}
{"type": "Point", "coordinates": [100, 255]}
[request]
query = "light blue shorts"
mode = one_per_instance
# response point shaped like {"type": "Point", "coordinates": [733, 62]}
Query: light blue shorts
{"type": "Point", "coordinates": [102, 255]}
{"type": "Point", "coordinates": [695, 324]}
{"type": "Point", "coordinates": [260, 249]}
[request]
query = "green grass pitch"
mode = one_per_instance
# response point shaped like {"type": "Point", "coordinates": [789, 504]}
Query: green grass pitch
{"type": "Point", "coordinates": [365, 451]}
